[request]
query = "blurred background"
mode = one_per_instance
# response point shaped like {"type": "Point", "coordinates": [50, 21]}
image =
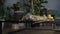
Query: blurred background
{"type": "Point", "coordinates": [6, 12]}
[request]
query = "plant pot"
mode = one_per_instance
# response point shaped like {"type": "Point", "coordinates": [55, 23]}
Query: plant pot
{"type": "Point", "coordinates": [22, 25]}
{"type": "Point", "coordinates": [15, 26]}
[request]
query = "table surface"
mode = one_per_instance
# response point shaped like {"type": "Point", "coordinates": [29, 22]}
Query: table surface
{"type": "Point", "coordinates": [31, 31]}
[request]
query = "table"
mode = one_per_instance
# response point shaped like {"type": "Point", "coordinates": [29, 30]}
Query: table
{"type": "Point", "coordinates": [26, 21]}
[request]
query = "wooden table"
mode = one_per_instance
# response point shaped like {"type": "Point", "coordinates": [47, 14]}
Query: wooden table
{"type": "Point", "coordinates": [26, 24]}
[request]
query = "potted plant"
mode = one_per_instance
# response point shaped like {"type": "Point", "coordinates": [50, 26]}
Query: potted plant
{"type": "Point", "coordinates": [15, 7]}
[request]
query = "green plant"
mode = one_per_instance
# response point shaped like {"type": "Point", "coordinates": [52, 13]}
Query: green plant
{"type": "Point", "coordinates": [37, 4]}
{"type": "Point", "coordinates": [16, 6]}
{"type": "Point", "coordinates": [27, 6]}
